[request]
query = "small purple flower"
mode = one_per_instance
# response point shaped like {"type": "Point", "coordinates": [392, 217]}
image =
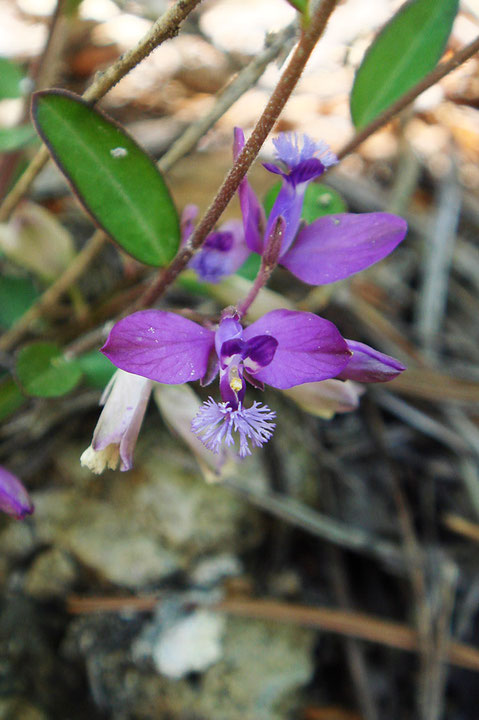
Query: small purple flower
{"type": "Point", "coordinates": [282, 349]}
{"type": "Point", "coordinates": [367, 365]}
{"type": "Point", "coordinates": [333, 247]}
{"type": "Point", "coordinates": [124, 404]}
{"type": "Point", "coordinates": [14, 499]}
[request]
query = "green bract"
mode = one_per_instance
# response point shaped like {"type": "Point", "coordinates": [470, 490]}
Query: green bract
{"type": "Point", "coordinates": [116, 181]}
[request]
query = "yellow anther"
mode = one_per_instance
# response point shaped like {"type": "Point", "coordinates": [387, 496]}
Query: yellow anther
{"type": "Point", "coordinates": [236, 382]}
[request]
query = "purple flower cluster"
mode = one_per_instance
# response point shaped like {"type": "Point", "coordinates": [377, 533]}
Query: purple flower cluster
{"type": "Point", "coordinates": [283, 349]}
{"type": "Point", "coordinates": [331, 248]}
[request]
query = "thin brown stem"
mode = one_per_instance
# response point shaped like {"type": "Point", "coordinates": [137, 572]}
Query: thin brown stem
{"type": "Point", "coordinates": [275, 105]}
{"type": "Point", "coordinates": [431, 79]}
{"type": "Point", "coordinates": [163, 29]}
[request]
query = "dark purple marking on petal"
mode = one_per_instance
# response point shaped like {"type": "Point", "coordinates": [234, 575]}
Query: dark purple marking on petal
{"type": "Point", "coordinates": [337, 246]}
{"type": "Point", "coordinates": [161, 346]}
{"type": "Point", "coordinates": [309, 349]}
{"type": "Point", "coordinates": [305, 171]}
{"type": "Point", "coordinates": [14, 499]}
{"type": "Point", "coordinates": [230, 348]}
{"type": "Point", "coordinates": [368, 365]}
{"type": "Point", "coordinates": [259, 352]}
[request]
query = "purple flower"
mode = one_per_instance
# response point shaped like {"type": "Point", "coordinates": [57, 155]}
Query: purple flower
{"type": "Point", "coordinates": [14, 499]}
{"type": "Point", "coordinates": [125, 399]}
{"type": "Point", "coordinates": [282, 349]}
{"type": "Point", "coordinates": [333, 247]}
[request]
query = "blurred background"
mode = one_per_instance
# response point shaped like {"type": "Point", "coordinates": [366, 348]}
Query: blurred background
{"type": "Point", "coordinates": [334, 575]}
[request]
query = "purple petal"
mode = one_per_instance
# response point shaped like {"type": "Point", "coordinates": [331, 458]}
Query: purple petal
{"type": "Point", "coordinates": [229, 328]}
{"type": "Point", "coordinates": [309, 348]}
{"type": "Point", "coordinates": [188, 217]}
{"type": "Point", "coordinates": [337, 246]}
{"type": "Point", "coordinates": [293, 149]}
{"type": "Point", "coordinates": [287, 205]}
{"type": "Point", "coordinates": [222, 254]}
{"type": "Point", "coordinates": [14, 499]}
{"type": "Point", "coordinates": [251, 209]}
{"type": "Point", "coordinates": [305, 171]}
{"type": "Point", "coordinates": [160, 346]}
{"type": "Point", "coordinates": [370, 366]}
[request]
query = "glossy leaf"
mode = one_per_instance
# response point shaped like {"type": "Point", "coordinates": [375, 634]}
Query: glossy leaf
{"type": "Point", "coordinates": [405, 50]}
{"type": "Point", "coordinates": [10, 79]}
{"type": "Point", "coordinates": [43, 371]}
{"type": "Point", "coordinates": [14, 138]}
{"type": "Point", "coordinates": [116, 181]}
{"type": "Point", "coordinates": [17, 294]}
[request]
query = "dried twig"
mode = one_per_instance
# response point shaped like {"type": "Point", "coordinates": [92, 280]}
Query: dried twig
{"type": "Point", "coordinates": [342, 622]}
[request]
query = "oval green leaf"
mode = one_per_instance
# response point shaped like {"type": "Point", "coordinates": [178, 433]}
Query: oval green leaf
{"type": "Point", "coordinates": [406, 49]}
{"type": "Point", "coordinates": [10, 79]}
{"type": "Point", "coordinates": [43, 371]}
{"type": "Point", "coordinates": [117, 182]}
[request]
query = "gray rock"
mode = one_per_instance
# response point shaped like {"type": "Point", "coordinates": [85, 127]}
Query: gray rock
{"type": "Point", "coordinates": [51, 575]}
{"type": "Point", "coordinates": [258, 676]}
{"type": "Point", "coordinates": [14, 708]}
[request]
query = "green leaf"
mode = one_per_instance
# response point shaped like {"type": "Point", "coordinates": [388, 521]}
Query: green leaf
{"type": "Point", "coordinates": [319, 200]}
{"type": "Point", "coordinates": [97, 369]}
{"type": "Point", "coordinates": [116, 181]}
{"type": "Point", "coordinates": [250, 267]}
{"type": "Point", "coordinates": [17, 294]}
{"type": "Point", "coordinates": [10, 79]}
{"type": "Point", "coordinates": [406, 49]}
{"type": "Point", "coordinates": [11, 397]}
{"type": "Point", "coordinates": [301, 5]}
{"type": "Point", "coordinates": [43, 371]}
{"type": "Point", "coordinates": [14, 138]}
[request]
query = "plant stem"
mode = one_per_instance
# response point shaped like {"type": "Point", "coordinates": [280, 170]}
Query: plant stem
{"type": "Point", "coordinates": [289, 78]}
{"type": "Point", "coordinates": [431, 79]}
{"type": "Point", "coordinates": [163, 29]}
